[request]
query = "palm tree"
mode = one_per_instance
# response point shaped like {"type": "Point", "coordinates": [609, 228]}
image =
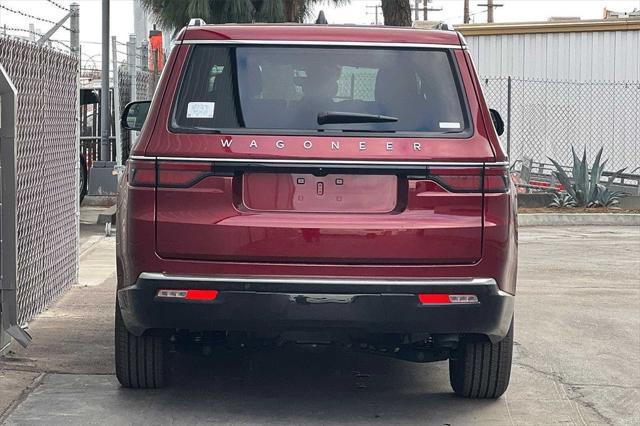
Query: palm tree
{"type": "Point", "coordinates": [175, 14]}
{"type": "Point", "coordinates": [397, 13]}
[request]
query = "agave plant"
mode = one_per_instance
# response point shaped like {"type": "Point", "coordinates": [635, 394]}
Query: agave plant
{"type": "Point", "coordinates": [586, 188]}
{"type": "Point", "coordinates": [562, 200]}
{"type": "Point", "coordinates": [608, 198]}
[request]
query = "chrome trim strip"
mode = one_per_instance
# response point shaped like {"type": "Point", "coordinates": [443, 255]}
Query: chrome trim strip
{"type": "Point", "coordinates": [325, 43]}
{"type": "Point", "coordinates": [339, 281]}
{"type": "Point", "coordinates": [322, 162]}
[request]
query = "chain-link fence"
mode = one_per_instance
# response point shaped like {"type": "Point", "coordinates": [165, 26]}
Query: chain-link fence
{"type": "Point", "coordinates": [143, 91]}
{"type": "Point", "coordinates": [46, 172]}
{"type": "Point", "coordinates": [546, 118]}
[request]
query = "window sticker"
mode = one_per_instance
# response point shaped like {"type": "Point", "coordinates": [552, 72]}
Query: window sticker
{"type": "Point", "coordinates": [449, 125]}
{"type": "Point", "coordinates": [200, 109]}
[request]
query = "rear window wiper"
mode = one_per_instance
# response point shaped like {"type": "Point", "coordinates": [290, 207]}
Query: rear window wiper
{"type": "Point", "coordinates": [334, 117]}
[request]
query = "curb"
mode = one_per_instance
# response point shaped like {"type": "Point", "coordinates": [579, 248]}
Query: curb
{"type": "Point", "coordinates": [99, 200]}
{"type": "Point", "coordinates": [579, 219]}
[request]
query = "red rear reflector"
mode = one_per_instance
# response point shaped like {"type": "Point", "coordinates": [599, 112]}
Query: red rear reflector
{"type": "Point", "coordinates": [188, 294]}
{"type": "Point", "coordinates": [433, 298]}
{"type": "Point", "coordinates": [201, 294]}
{"type": "Point", "coordinates": [439, 298]}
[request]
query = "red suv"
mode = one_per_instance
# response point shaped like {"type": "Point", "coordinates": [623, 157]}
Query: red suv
{"type": "Point", "coordinates": [318, 184]}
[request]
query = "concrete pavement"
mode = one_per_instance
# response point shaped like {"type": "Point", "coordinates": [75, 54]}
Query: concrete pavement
{"type": "Point", "coordinates": [577, 357]}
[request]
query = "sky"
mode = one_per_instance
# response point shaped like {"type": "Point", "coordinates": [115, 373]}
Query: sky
{"type": "Point", "coordinates": [356, 12]}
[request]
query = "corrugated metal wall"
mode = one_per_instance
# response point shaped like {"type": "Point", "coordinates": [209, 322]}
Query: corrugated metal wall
{"type": "Point", "coordinates": [578, 56]}
{"type": "Point", "coordinates": [579, 89]}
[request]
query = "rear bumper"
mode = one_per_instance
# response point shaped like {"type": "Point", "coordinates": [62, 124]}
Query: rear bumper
{"type": "Point", "coordinates": [289, 303]}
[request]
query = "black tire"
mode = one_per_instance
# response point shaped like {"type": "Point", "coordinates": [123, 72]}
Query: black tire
{"type": "Point", "coordinates": [481, 369]}
{"type": "Point", "coordinates": [82, 185]}
{"type": "Point", "coordinates": [140, 360]}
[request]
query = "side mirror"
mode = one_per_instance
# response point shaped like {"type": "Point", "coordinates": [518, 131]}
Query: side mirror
{"type": "Point", "coordinates": [134, 115]}
{"type": "Point", "coordinates": [497, 121]}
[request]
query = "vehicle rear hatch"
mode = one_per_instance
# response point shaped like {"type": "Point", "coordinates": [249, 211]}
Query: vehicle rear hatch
{"type": "Point", "coordinates": [248, 172]}
{"type": "Point", "coordinates": [317, 214]}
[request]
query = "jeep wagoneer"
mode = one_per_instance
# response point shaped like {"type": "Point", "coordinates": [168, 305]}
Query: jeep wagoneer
{"type": "Point", "coordinates": [318, 184]}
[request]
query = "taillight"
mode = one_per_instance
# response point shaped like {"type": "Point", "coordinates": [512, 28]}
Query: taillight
{"type": "Point", "coordinates": [182, 174]}
{"type": "Point", "coordinates": [458, 179]}
{"type": "Point", "coordinates": [169, 174]}
{"type": "Point", "coordinates": [496, 179]}
{"type": "Point", "coordinates": [141, 173]}
{"type": "Point", "coordinates": [471, 179]}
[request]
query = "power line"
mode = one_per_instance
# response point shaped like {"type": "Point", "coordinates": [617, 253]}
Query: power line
{"type": "Point", "coordinates": [21, 30]}
{"type": "Point", "coordinates": [34, 33]}
{"type": "Point", "coordinates": [59, 6]}
{"type": "Point", "coordinates": [37, 18]}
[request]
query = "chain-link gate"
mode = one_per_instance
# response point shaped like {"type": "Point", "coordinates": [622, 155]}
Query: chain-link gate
{"type": "Point", "coordinates": [46, 172]}
{"type": "Point", "coordinates": [548, 117]}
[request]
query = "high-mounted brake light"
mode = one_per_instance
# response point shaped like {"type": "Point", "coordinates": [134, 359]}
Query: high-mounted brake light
{"type": "Point", "coordinates": [191, 294]}
{"type": "Point", "coordinates": [443, 299]}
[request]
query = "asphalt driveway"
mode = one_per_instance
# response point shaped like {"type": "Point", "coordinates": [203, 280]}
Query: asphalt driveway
{"type": "Point", "coordinates": [577, 357]}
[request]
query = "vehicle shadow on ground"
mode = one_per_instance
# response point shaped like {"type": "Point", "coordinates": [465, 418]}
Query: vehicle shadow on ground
{"type": "Point", "coordinates": [301, 385]}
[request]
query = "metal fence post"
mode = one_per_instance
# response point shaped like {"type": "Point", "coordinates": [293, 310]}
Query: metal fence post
{"type": "Point", "coordinates": [132, 69]}
{"type": "Point", "coordinates": [144, 55]}
{"type": "Point", "coordinates": [76, 51]}
{"type": "Point", "coordinates": [105, 128]}
{"type": "Point", "coordinates": [8, 224]}
{"type": "Point", "coordinates": [156, 63]}
{"type": "Point", "coordinates": [509, 118]}
{"type": "Point", "coordinates": [116, 101]}
{"type": "Point", "coordinates": [74, 26]}
{"type": "Point", "coordinates": [132, 66]}
{"type": "Point", "coordinates": [144, 59]}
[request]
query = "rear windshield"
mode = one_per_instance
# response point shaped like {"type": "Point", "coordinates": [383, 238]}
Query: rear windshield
{"type": "Point", "coordinates": [284, 89]}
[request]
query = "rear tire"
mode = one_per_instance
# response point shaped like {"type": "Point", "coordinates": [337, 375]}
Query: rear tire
{"type": "Point", "coordinates": [140, 360]}
{"type": "Point", "coordinates": [482, 369]}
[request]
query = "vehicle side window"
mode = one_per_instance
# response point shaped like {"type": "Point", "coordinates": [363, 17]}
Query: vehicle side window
{"type": "Point", "coordinates": [205, 100]}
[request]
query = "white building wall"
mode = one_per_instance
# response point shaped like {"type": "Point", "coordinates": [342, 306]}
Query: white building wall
{"type": "Point", "coordinates": [579, 56]}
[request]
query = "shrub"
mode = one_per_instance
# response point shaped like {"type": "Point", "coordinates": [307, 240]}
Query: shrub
{"type": "Point", "coordinates": [586, 189]}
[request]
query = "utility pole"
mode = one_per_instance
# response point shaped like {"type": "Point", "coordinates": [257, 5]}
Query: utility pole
{"type": "Point", "coordinates": [490, 5]}
{"type": "Point", "coordinates": [426, 9]}
{"type": "Point", "coordinates": [466, 12]}
{"type": "Point", "coordinates": [105, 110]}
{"type": "Point", "coordinates": [376, 7]}
{"type": "Point", "coordinates": [416, 9]}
